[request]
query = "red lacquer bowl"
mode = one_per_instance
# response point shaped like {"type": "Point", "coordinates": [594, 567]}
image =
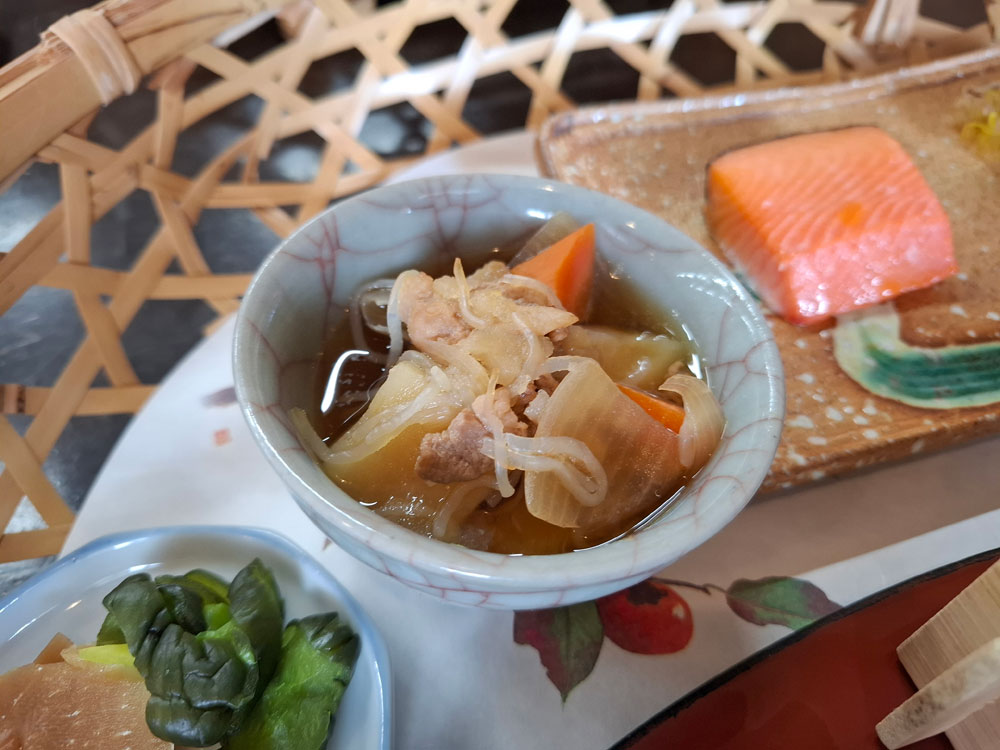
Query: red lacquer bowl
{"type": "Point", "coordinates": [824, 687]}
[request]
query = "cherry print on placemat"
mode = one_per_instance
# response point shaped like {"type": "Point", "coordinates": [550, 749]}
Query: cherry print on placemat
{"type": "Point", "coordinates": [648, 618]}
{"type": "Point", "coordinates": [652, 618]}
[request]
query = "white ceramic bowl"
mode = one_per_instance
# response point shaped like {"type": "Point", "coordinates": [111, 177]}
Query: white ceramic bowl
{"type": "Point", "coordinates": [301, 290]}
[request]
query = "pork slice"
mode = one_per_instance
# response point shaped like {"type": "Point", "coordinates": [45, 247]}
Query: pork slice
{"type": "Point", "coordinates": [428, 316]}
{"type": "Point", "coordinates": [454, 454]}
{"type": "Point", "coordinates": [436, 321]}
{"type": "Point", "coordinates": [414, 289]}
{"type": "Point", "coordinates": [501, 406]}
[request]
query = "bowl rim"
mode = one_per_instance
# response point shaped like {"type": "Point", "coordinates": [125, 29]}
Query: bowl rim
{"type": "Point", "coordinates": [623, 560]}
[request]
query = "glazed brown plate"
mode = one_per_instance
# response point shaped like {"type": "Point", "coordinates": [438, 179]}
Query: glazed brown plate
{"type": "Point", "coordinates": [654, 154]}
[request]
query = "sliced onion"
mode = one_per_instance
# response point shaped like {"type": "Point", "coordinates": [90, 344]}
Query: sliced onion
{"type": "Point", "coordinates": [387, 425]}
{"type": "Point", "coordinates": [492, 303]}
{"type": "Point", "coordinates": [358, 320]}
{"type": "Point", "coordinates": [412, 394]}
{"type": "Point", "coordinates": [379, 297]}
{"type": "Point", "coordinates": [392, 319]}
{"type": "Point", "coordinates": [640, 359]}
{"type": "Point", "coordinates": [416, 357]}
{"type": "Point", "coordinates": [565, 363]}
{"type": "Point", "coordinates": [463, 297]}
{"type": "Point", "coordinates": [464, 499]}
{"type": "Point", "coordinates": [497, 446]}
{"type": "Point", "coordinates": [639, 455]}
{"type": "Point", "coordinates": [507, 349]}
{"type": "Point", "coordinates": [533, 411]}
{"type": "Point", "coordinates": [569, 459]}
{"type": "Point", "coordinates": [357, 328]}
{"type": "Point", "coordinates": [703, 423]}
{"type": "Point", "coordinates": [533, 360]}
{"type": "Point", "coordinates": [542, 319]}
{"type": "Point", "coordinates": [440, 378]}
{"type": "Point", "coordinates": [553, 230]}
{"type": "Point", "coordinates": [489, 272]}
{"type": "Point", "coordinates": [308, 435]}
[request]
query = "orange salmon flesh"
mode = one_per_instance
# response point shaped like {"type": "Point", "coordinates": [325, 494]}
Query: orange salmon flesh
{"type": "Point", "coordinates": [830, 222]}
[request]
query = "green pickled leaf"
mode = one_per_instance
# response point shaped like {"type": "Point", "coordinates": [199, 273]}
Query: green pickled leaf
{"type": "Point", "coordinates": [168, 719]}
{"type": "Point", "coordinates": [200, 684]}
{"type": "Point", "coordinates": [218, 586]}
{"type": "Point", "coordinates": [110, 633]}
{"type": "Point", "coordinates": [147, 647]}
{"type": "Point", "coordinates": [777, 600]}
{"type": "Point", "coordinates": [207, 671]}
{"type": "Point", "coordinates": [136, 604]}
{"type": "Point", "coordinates": [216, 615]}
{"type": "Point", "coordinates": [185, 605]}
{"type": "Point", "coordinates": [204, 584]}
{"type": "Point", "coordinates": [318, 654]}
{"type": "Point", "coordinates": [256, 606]}
{"type": "Point", "coordinates": [568, 641]}
{"type": "Point", "coordinates": [234, 638]}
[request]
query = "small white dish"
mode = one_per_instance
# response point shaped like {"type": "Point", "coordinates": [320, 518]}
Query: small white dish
{"type": "Point", "coordinates": [66, 598]}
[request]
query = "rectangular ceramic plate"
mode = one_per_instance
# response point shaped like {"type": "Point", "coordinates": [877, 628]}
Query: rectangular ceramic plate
{"type": "Point", "coordinates": [654, 154]}
{"type": "Point", "coordinates": [66, 598]}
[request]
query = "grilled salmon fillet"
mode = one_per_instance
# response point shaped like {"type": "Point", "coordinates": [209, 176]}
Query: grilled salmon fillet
{"type": "Point", "coordinates": [825, 223]}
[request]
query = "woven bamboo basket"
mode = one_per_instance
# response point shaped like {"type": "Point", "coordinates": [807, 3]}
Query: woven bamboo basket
{"type": "Point", "coordinates": [51, 97]}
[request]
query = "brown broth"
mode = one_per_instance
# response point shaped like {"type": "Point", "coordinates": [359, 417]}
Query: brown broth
{"type": "Point", "coordinates": [389, 486]}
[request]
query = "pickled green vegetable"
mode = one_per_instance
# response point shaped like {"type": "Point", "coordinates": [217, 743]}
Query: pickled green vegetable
{"type": "Point", "coordinates": [317, 660]}
{"type": "Point", "coordinates": [199, 684]}
{"type": "Point", "coordinates": [218, 663]}
{"type": "Point", "coordinates": [198, 681]}
{"type": "Point", "coordinates": [110, 633]}
{"type": "Point", "coordinates": [208, 586]}
{"type": "Point", "coordinates": [255, 605]}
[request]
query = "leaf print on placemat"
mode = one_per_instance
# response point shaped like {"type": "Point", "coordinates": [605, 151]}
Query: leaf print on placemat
{"type": "Point", "coordinates": [221, 397]}
{"type": "Point", "coordinates": [568, 641]}
{"type": "Point", "coordinates": [652, 618]}
{"type": "Point", "coordinates": [778, 600]}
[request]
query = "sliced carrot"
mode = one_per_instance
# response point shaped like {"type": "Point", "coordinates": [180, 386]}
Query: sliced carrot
{"type": "Point", "coordinates": [669, 415]}
{"type": "Point", "coordinates": [567, 267]}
